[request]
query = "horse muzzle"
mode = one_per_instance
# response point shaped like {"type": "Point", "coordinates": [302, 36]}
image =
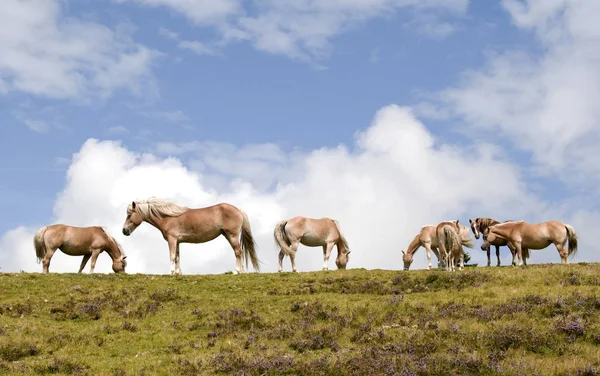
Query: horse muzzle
{"type": "Point", "coordinates": [126, 231]}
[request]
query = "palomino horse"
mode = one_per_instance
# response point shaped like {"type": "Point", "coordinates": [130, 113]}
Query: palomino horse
{"type": "Point", "coordinates": [323, 232]}
{"type": "Point", "coordinates": [523, 236]}
{"type": "Point", "coordinates": [449, 242]}
{"type": "Point", "coordinates": [479, 226]}
{"type": "Point", "coordinates": [180, 224]}
{"type": "Point", "coordinates": [77, 241]}
{"type": "Point", "coordinates": [427, 238]}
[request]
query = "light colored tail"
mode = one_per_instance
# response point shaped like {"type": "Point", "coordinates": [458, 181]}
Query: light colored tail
{"type": "Point", "coordinates": [281, 238]}
{"type": "Point", "coordinates": [248, 244]}
{"type": "Point", "coordinates": [342, 242]}
{"type": "Point", "coordinates": [39, 243]}
{"type": "Point", "coordinates": [572, 235]}
{"type": "Point", "coordinates": [452, 241]}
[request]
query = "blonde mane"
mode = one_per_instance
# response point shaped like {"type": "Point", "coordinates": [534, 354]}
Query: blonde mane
{"type": "Point", "coordinates": [155, 208]}
{"type": "Point", "coordinates": [465, 237]}
{"type": "Point", "coordinates": [114, 241]}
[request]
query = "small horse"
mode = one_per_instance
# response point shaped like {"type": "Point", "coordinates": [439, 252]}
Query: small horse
{"type": "Point", "coordinates": [324, 232]}
{"type": "Point", "coordinates": [523, 236]}
{"type": "Point", "coordinates": [479, 226]}
{"type": "Point", "coordinates": [78, 241]}
{"type": "Point", "coordinates": [180, 224]}
{"type": "Point", "coordinates": [427, 238]}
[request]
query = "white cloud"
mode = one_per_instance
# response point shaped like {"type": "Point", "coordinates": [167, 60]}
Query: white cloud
{"type": "Point", "coordinates": [39, 126]}
{"type": "Point", "coordinates": [199, 11]}
{"type": "Point", "coordinates": [300, 29]}
{"type": "Point", "coordinates": [46, 54]}
{"type": "Point", "coordinates": [399, 178]}
{"type": "Point", "coordinates": [544, 104]}
{"type": "Point", "coordinates": [196, 47]}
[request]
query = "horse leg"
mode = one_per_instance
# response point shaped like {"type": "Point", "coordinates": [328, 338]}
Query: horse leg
{"type": "Point", "coordinates": [487, 250]}
{"type": "Point", "coordinates": [462, 261]}
{"type": "Point", "coordinates": [326, 253]}
{"type": "Point", "coordinates": [84, 261]}
{"type": "Point", "coordinates": [293, 248]}
{"type": "Point", "coordinates": [95, 253]}
{"type": "Point", "coordinates": [519, 252]}
{"type": "Point", "coordinates": [177, 266]}
{"type": "Point", "coordinates": [563, 253]}
{"type": "Point", "coordinates": [436, 252]}
{"type": "Point", "coordinates": [498, 254]}
{"type": "Point", "coordinates": [172, 252]}
{"type": "Point", "coordinates": [281, 256]}
{"type": "Point", "coordinates": [46, 260]}
{"type": "Point", "coordinates": [525, 258]}
{"type": "Point", "coordinates": [428, 250]}
{"type": "Point", "coordinates": [237, 249]}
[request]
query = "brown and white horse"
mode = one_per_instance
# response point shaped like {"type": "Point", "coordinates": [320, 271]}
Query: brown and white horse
{"type": "Point", "coordinates": [180, 224]}
{"type": "Point", "coordinates": [523, 236]}
{"type": "Point", "coordinates": [449, 242]}
{"type": "Point", "coordinates": [322, 232]}
{"type": "Point", "coordinates": [479, 227]}
{"type": "Point", "coordinates": [77, 241]}
{"type": "Point", "coordinates": [427, 238]}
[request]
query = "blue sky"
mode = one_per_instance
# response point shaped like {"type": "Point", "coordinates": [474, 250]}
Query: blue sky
{"type": "Point", "coordinates": [317, 92]}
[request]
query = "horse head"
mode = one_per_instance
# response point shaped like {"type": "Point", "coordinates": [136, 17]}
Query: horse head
{"type": "Point", "coordinates": [119, 264]}
{"type": "Point", "coordinates": [133, 219]}
{"type": "Point", "coordinates": [407, 259]}
{"type": "Point", "coordinates": [342, 259]}
{"type": "Point", "coordinates": [475, 228]}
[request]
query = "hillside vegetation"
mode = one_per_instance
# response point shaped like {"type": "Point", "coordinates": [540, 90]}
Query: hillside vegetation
{"type": "Point", "coordinates": [541, 319]}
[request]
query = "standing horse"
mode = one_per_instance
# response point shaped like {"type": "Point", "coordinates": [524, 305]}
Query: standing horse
{"type": "Point", "coordinates": [180, 224]}
{"type": "Point", "coordinates": [449, 243]}
{"type": "Point", "coordinates": [523, 236]}
{"type": "Point", "coordinates": [479, 226]}
{"type": "Point", "coordinates": [77, 241]}
{"type": "Point", "coordinates": [427, 238]}
{"type": "Point", "coordinates": [323, 232]}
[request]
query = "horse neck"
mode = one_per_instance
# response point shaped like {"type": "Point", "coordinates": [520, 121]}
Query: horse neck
{"type": "Point", "coordinates": [414, 245]}
{"type": "Point", "coordinates": [157, 222]}
{"type": "Point", "coordinates": [112, 249]}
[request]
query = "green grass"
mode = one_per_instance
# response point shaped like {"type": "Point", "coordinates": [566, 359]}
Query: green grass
{"type": "Point", "coordinates": [541, 319]}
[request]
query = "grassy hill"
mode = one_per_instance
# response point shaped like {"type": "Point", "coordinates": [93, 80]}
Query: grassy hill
{"type": "Point", "coordinates": [542, 319]}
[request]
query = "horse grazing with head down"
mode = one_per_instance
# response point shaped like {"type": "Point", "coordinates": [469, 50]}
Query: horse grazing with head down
{"type": "Point", "coordinates": [523, 236]}
{"type": "Point", "coordinates": [479, 227]}
{"type": "Point", "coordinates": [77, 241]}
{"type": "Point", "coordinates": [323, 232]}
{"type": "Point", "coordinates": [427, 238]}
{"type": "Point", "coordinates": [180, 224]}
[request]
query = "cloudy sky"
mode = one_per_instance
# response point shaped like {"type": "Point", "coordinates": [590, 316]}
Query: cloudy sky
{"type": "Point", "coordinates": [386, 115]}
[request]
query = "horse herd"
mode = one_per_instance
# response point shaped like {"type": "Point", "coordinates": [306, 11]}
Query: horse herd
{"type": "Point", "coordinates": [179, 224]}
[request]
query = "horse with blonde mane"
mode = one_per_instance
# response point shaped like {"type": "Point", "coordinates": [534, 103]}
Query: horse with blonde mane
{"type": "Point", "coordinates": [479, 227]}
{"type": "Point", "coordinates": [448, 234]}
{"type": "Point", "coordinates": [523, 236]}
{"type": "Point", "coordinates": [180, 224]}
{"type": "Point", "coordinates": [427, 238]}
{"type": "Point", "coordinates": [77, 241]}
{"type": "Point", "coordinates": [323, 232]}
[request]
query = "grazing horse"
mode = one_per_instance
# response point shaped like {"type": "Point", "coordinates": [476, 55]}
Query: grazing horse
{"type": "Point", "coordinates": [180, 224]}
{"type": "Point", "coordinates": [323, 232]}
{"type": "Point", "coordinates": [77, 241]}
{"type": "Point", "coordinates": [427, 238]}
{"type": "Point", "coordinates": [523, 236]}
{"type": "Point", "coordinates": [479, 227]}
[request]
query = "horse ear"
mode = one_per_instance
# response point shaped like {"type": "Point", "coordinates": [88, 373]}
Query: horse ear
{"type": "Point", "coordinates": [403, 252]}
{"type": "Point", "coordinates": [133, 204]}
{"type": "Point", "coordinates": [470, 221]}
{"type": "Point", "coordinates": [124, 257]}
{"type": "Point", "coordinates": [347, 253]}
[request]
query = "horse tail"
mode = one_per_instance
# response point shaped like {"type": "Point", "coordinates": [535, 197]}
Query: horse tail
{"type": "Point", "coordinates": [39, 243]}
{"type": "Point", "coordinates": [342, 241]}
{"type": "Point", "coordinates": [281, 238]}
{"type": "Point", "coordinates": [452, 241]}
{"type": "Point", "coordinates": [572, 235]}
{"type": "Point", "coordinates": [248, 243]}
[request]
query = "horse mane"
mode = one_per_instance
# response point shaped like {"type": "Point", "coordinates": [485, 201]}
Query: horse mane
{"type": "Point", "coordinates": [484, 223]}
{"type": "Point", "coordinates": [114, 241]}
{"type": "Point", "coordinates": [342, 238]}
{"type": "Point", "coordinates": [153, 207]}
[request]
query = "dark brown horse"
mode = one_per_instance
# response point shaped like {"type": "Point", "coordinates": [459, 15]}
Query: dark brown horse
{"type": "Point", "coordinates": [180, 224]}
{"type": "Point", "coordinates": [479, 227]}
